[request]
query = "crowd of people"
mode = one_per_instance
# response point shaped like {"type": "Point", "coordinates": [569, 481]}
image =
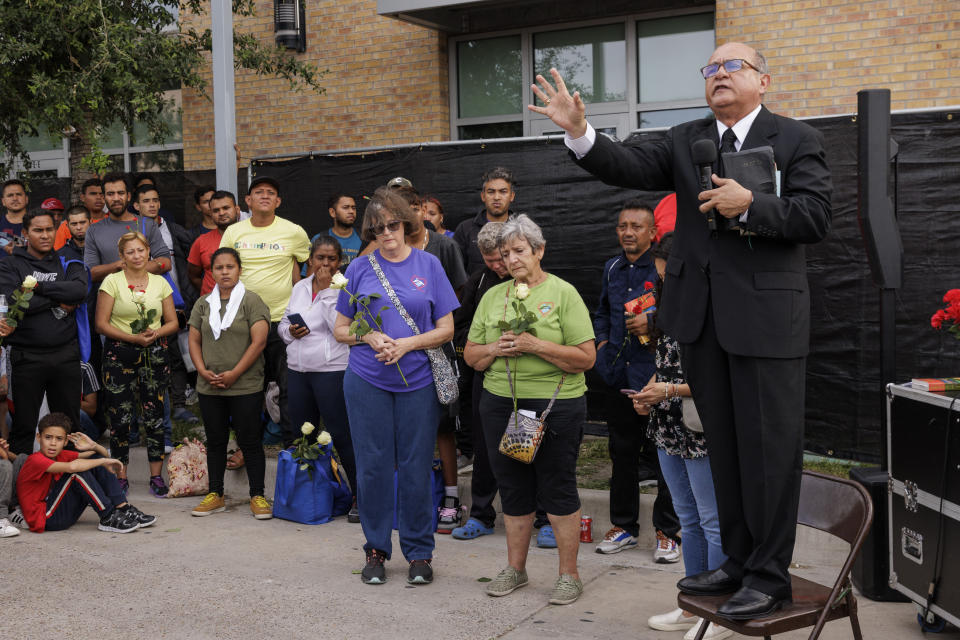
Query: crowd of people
{"type": "Point", "coordinates": [353, 327]}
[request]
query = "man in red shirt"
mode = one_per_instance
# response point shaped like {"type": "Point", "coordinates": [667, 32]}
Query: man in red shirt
{"type": "Point", "coordinates": [54, 485]}
{"type": "Point", "coordinates": [223, 209]}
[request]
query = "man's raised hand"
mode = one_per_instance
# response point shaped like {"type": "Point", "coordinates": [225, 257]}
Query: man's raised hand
{"type": "Point", "coordinates": [566, 111]}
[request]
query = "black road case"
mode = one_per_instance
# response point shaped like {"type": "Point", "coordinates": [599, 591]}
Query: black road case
{"type": "Point", "coordinates": [924, 494]}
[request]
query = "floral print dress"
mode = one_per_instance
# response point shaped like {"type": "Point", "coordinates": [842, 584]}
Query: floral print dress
{"type": "Point", "coordinates": [666, 428]}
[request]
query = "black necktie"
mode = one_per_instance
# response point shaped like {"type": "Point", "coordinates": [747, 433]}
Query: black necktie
{"type": "Point", "coordinates": [728, 142]}
{"type": "Point", "coordinates": [727, 145]}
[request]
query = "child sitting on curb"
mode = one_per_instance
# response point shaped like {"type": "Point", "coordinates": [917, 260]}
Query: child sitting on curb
{"type": "Point", "coordinates": [54, 486]}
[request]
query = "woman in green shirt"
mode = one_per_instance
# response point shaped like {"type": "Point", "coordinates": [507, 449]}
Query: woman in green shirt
{"type": "Point", "coordinates": [547, 360]}
{"type": "Point", "coordinates": [228, 331]}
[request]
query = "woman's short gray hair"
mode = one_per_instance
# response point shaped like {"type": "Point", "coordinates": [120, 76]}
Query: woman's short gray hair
{"type": "Point", "coordinates": [523, 227]}
{"type": "Point", "coordinates": [487, 238]}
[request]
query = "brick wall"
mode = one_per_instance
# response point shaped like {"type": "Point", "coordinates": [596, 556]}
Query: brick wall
{"type": "Point", "coordinates": [821, 52]}
{"type": "Point", "coordinates": [387, 81]}
{"type": "Point", "coordinates": [387, 84]}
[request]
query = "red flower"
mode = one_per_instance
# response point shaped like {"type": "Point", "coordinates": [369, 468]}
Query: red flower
{"type": "Point", "coordinates": [952, 296]}
{"type": "Point", "coordinates": [647, 286]}
{"type": "Point", "coordinates": [937, 320]}
{"type": "Point", "coordinates": [130, 286]}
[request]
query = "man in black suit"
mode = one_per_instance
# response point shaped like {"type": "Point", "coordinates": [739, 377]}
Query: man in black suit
{"type": "Point", "coordinates": [738, 303]}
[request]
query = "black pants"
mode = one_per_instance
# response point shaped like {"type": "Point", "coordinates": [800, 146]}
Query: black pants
{"type": "Point", "coordinates": [68, 496]}
{"type": "Point", "coordinates": [34, 372]}
{"type": "Point", "coordinates": [135, 381]}
{"type": "Point", "coordinates": [178, 374]}
{"type": "Point", "coordinates": [242, 413]}
{"type": "Point", "coordinates": [634, 459]}
{"type": "Point", "coordinates": [753, 417]}
{"type": "Point", "coordinates": [275, 370]}
{"type": "Point", "coordinates": [483, 484]}
{"type": "Point", "coordinates": [464, 433]}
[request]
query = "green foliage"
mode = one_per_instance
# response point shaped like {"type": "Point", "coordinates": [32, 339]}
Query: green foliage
{"type": "Point", "coordinates": [522, 321]}
{"type": "Point", "coordinates": [143, 323]}
{"type": "Point", "coordinates": [82, 65]}
{"type": "Point", "coordinates": [19, 302]}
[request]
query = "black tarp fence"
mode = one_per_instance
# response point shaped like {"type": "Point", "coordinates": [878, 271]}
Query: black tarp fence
{"type": "Point", "coordinates": [578, 214]}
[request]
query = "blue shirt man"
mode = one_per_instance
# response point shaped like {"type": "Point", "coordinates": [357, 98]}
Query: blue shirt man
{"type": "Point", "coordinates": [624, 361]}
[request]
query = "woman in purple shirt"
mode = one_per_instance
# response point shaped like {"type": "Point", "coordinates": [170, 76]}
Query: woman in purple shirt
{"type": "Point", "coordinates": [391, 400]}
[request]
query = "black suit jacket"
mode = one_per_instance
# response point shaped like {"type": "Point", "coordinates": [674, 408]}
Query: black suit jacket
{"type": "Point", "coordinates": [757, 285]}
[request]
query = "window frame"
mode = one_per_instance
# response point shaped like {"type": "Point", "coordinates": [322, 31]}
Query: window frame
{"type": "Point", "coordinates": [532, 122]}
{"type": "Point", "coordinates": [59, 158]}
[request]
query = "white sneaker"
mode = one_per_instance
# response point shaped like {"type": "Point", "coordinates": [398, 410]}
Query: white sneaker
{"type": "Point", "coordinates": [7, 530]}
{"type": "Point", "coordinates": [616, 541]}
{"type": "Point", "coordinates": [667, 551]}
{"type": "Point", "coordinates": [714, 632]}
{"type": "Point", "coordinates": [673, 621]}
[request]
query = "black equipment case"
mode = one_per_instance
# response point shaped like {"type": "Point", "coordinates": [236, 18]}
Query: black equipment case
{"type": "Point", "coordinates": [924, 497]}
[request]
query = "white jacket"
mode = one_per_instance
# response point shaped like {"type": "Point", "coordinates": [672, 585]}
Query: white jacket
{"type": "Point", "coordinates": [318, 350]}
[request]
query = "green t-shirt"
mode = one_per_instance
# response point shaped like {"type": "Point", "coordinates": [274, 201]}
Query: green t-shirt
{"type": "Point", "coordinates": [125, 309]}
{"type": "Point", "coordinates": [562, 318]}
{"type": "Point", "coordinates": [223, 354]}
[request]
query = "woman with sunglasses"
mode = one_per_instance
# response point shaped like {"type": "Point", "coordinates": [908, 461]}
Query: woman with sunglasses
{"type": "Point", "coordinates": [388, 385]}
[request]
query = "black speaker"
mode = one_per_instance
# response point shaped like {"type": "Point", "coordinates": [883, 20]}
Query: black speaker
{"type": "Point", "coordinates": [875, 210]}
{"type": "Point", "coordinates": [871, 570]}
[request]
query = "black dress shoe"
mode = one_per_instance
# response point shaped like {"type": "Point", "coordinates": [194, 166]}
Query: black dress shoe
{"type": "Point", "coordinates": [747, 604]}
{"type": "Point", "coordinates": [709, 583]}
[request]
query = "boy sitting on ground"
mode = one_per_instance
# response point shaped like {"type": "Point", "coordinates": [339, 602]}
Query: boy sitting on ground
{"type": "Point", "coordinates": [55, 486]}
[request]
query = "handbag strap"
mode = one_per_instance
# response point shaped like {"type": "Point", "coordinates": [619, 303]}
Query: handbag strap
{"type": "Point", "coordinates": [392, 294]}
{"type": "Point", "coordinates": [506, 361]}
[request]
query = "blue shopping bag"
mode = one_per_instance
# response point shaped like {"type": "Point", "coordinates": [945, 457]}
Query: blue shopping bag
{"type": "Point", "coordinates": [436, 491]}
{"type": "Point", "coordinates": [310, 500]}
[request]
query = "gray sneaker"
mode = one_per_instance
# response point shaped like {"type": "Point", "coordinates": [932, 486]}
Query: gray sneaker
{"type": "Point", "coordinates": [506, 582]}
{"type": "Point", "coordinates": [566, 590]}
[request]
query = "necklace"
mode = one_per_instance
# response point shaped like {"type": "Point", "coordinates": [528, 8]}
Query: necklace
{"type": "Point", "coordinates": [141, 284]}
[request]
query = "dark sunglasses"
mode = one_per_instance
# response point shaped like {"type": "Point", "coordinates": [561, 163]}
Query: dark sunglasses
{"type": "Point", "coordinates": [391, 226]}
{"type": "Point", "coordinates": [730, 66]}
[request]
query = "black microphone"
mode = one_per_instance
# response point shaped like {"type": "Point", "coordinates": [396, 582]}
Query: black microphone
{"type": "Point", "coordinates": [704, 155]}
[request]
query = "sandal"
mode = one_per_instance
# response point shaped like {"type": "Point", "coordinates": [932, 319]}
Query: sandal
{"type": "Point", "coordinates": [473, 529]}
{"type": "Point", "coordinates": [235, 459]}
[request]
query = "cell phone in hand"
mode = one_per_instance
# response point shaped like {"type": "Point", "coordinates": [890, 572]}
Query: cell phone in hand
{"type": "Point", "coordinates": [628, 392]}
{"type": "Point", "coordinates": [297, 319]}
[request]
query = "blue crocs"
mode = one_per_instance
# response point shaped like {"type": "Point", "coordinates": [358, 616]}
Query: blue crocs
{"type": "Point", "coordinates": [473, 529]}
{"type": "Point", "coordinates": [545, 538]}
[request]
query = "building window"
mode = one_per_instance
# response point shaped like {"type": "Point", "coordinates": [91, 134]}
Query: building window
{"type": "Point", "coordinates": [632, 73]}
{"type": "Point", "coordinates": [591, 60]}
{"type": "Point", "coordinates": [128, 151]}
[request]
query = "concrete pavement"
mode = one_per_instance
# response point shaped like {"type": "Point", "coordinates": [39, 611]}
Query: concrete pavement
{"type": "Point", "coordinates": [230, 576]}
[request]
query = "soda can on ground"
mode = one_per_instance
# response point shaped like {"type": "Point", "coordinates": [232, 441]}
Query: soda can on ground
{"type": "Point", "coordinates": [586, 529]}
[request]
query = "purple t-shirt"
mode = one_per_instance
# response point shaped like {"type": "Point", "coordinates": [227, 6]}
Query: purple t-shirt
{"type": "Point", "coordinates": [426, 294]}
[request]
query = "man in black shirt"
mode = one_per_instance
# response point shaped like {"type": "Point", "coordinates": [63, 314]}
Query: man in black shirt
{"type": "Point", "coordinates": [497, 195]}
{"type": "Point", "coordinates": [44, 353]}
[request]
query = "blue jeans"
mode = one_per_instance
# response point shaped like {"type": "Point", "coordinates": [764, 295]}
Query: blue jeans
{"type": "Point", "coordinates": [393, 431]}
{"type": "Point", "coordinates": [319, 394]}
{"type": "Point", "coordinates": [694, 500]}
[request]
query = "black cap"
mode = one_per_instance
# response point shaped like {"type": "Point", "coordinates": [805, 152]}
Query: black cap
{"type": "Point", "coordinates": [264, 180]}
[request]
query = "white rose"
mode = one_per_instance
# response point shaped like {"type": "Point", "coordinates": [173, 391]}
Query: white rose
{"type": "Point", "coordinates": [522, 291]}
{"type": "Point", "coordinates": [139, 297]}
{"type": "Point", "coordinates": [324, 438]}
{"type": "Point", "coordinates": [307, 428]}
{"type": "Point", "coordinates": [29, 283]}
{"type": "Point", "coordinates": [338, 281]}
